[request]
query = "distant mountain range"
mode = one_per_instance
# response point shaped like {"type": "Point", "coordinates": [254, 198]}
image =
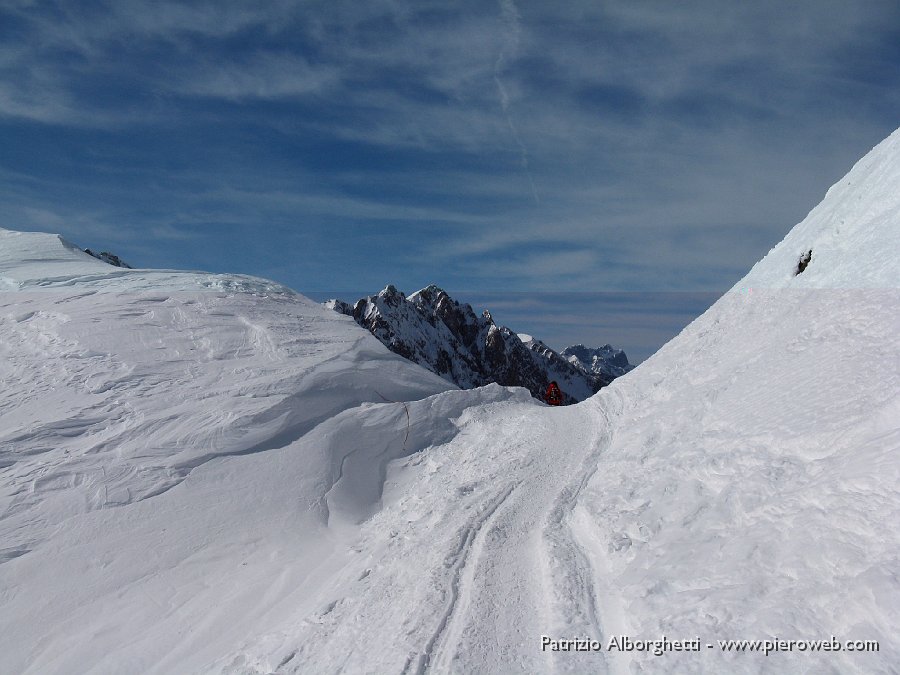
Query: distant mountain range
{"type": "Point", "coordinates": [447, 337]}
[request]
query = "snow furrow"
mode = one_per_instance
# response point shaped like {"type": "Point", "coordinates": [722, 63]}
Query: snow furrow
{"type": "Point", "coordinates": [572, 604]}
{"type": "Point", "coordinates": [462, 587]}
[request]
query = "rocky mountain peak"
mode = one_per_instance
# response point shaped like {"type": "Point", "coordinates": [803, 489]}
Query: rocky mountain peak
{"type": "Point", "coordinates": [447, 337]}
{"type": "Point", "coordinates": [605, 360]}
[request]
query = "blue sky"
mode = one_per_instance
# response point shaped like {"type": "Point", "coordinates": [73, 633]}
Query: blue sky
{"type": "Point", "coordinates": [498, 149]}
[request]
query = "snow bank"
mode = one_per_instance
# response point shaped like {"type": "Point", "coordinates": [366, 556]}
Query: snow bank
{"type": "Point", "coordinates": [130, 399]}
{"type": "Point", "coordinates": [759, 498]}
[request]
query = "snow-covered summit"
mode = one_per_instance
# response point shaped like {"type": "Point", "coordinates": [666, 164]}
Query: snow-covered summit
{"type": "Point", "coordinates": [757, 497]}
{"type": "Point", "coordinates": [121, 390]}
{"type": "Point", "coordinates": [28, 258]}
{"type": "Point", "coordinates": [34, 261]}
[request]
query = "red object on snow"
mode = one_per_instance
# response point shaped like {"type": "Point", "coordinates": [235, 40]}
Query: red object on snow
{"type": "Point", "coordinates": [553, 395]}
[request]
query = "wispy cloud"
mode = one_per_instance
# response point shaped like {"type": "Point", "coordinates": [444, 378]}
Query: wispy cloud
{"type": "Point", "coordinates": [262, 76]}
{"type": "Point", "coordinates": [628, 145]}
{"type": "Point", "coordinates": [639, 322]}
{"type": "Point", "coordinates": [510, 45]}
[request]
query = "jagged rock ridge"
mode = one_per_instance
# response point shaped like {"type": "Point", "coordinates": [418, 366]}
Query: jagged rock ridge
{"type": "Point", "coordinates": [109, 258]}
{"type": "Point", "coordinates": [449, 338]}
{"type": "Point", "coordinates": [605, 360]}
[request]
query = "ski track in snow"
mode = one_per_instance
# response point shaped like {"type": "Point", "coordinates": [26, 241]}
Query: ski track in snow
{"type": "Point", "coordinates": [463, 564]}
{"type": "Point", "coordinates": [514, 563]}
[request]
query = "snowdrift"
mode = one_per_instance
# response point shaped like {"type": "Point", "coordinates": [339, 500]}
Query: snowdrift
{"type": "Point", "coordinates": [135, 409]}
{"type": "Point", "coordinates": [209, 473]}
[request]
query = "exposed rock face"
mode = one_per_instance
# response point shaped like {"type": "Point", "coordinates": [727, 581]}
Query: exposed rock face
{"type": "Point", "coordinates": [447, 337]}
{"type": "Point", "coordinates": [109, 258]}
{"type": "Point", "coordinates": [605, 360]}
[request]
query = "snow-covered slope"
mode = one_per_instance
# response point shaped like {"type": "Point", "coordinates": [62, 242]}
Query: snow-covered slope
{"type": "Point", "coordinates": [152, 475]}
{"type": "Point", "coordinates": [447, 337]}
{"type": "Point", "coordinates": [200, 474]}
{"type": "Point", "coordinates": [756, 499]}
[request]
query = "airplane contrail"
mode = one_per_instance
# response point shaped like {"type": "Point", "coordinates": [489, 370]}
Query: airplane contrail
{"type": "Point", "coordinates": [511, 19]}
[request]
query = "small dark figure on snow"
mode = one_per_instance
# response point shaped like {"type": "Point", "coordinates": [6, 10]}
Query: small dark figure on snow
{"type": "Point", "coordinates": [553, 395]}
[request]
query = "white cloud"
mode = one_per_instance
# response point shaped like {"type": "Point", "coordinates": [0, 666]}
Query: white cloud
{"type": "Point", "coordinates": [263, 76]}
{"type": "Point", "coordinates": [728, 121]}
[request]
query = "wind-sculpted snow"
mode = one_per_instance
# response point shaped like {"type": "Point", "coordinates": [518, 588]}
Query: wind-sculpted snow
{"type": "Point", "coordinates": [469, 560]}
{"type": "Point", "coordinates": [118, 386]}
{"type": "Point", "coordinates": [227, 478]}
{"type": "Point", "coordinates": [144, 387]}
{"type": "Point", "coordinates": [749, 503]}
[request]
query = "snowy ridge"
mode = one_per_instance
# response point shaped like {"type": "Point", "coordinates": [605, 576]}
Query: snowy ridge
{"type": "Point", "coordinates": [759, 498]}
{"type": "Point", "coordinates": [32, 257]}
{"type": "Point", "coordinates": [853, 233]}
{"type": "Point", "coordinates": [202, 473]}
{"type": "Point", "coordinates": [35, 261]}
{"type": "Point", "coordinates": [130, 386]}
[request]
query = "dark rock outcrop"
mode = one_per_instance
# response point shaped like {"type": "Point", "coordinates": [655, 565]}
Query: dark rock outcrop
{"type": "Point", "coordinates": [450, 339]}
{"type": "Point", "coordinates": [109, 258]}
{"type": "Point", "coordinates": [605, 360]}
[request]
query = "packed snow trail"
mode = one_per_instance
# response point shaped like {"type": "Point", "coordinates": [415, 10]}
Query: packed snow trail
{"type": "Point", "coordinates": [492, 532]}
{"type": "Point", "coordinates": [523, 572]}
